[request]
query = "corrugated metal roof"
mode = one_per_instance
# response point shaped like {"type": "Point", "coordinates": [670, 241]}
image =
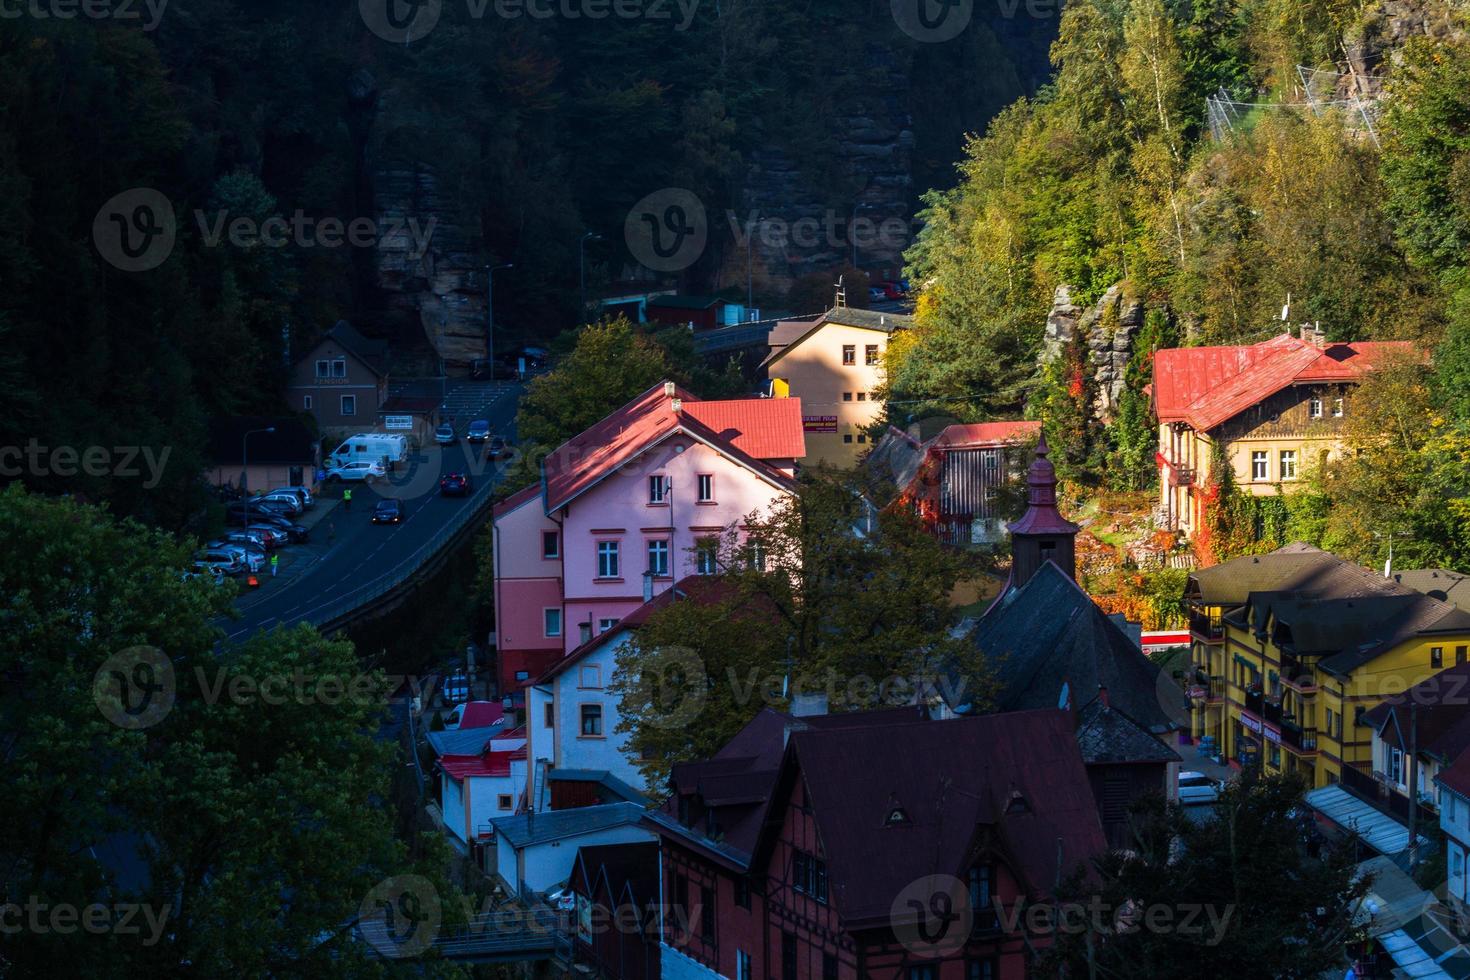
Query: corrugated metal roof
{"type": "Point", "coordinates": [484, 764]}
{"type": "Point", "coordinates": [1379, 831]}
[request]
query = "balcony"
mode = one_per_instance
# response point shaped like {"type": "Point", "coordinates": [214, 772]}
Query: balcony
{"type": "Point", "coordinates": [1206, 625]}
{"type": "Point", "coordinates": [1297, 738]}
{"type": "Point", "coordinates": [1298, 676]}
{"type": "Point", "coordinates": [1263, 706]}
{"type": "Point", "coordinates": [1201, 685]}
{"type": "Point", "coordinates": [1181, 476]}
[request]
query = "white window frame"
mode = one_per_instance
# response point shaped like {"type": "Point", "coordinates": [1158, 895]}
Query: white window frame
{"type": "Point", "coordinates": [658, 556]}
{"type": "Point", "coordinates": [582, 720]}
{"type": "Point", "coordinates": [555, 538]}
{"type": "Point", "coordinates": [1288, 464]}
{"type": "Point", "coordinates": [606, 623]}
{"type": "Point", "coordinates": [1314, 407]}
{"type": "Point", "coordinates": [706, 488]}
{"type": "Point", "coordinates": [707, 558]}
{"type": "Point", "coordinates": [1337, 407]}
{"type": "Point", "coordinates": [658, 489]}
{"type": "Point", "coordinates": [339, 367]}
{"type": "Point", "coordinates": [609, 559]}
{"type": "Point", "coordinates": [306, 403]}
{"type": "Point", "coordinates": [346, 400]}
{"type": "Point", "coordinates": [546, 621]}
{"type": "Point", "coordinates": [1260, 465]}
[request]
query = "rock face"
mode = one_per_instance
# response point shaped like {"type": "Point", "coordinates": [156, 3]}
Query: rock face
{"type": "Point", "coordinates": [1107, 330]}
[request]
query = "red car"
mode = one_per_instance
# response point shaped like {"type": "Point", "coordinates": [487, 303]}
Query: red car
{"type": "Point", "coordinates": [455, 485]}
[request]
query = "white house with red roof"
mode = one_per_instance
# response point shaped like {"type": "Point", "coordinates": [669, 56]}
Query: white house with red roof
{"type": "Point", "coordinates": [627, 508]}
{"type": "Point", "coordinates": [1273, 409]}
{"type": "Point", "coordinates": [476, 787]}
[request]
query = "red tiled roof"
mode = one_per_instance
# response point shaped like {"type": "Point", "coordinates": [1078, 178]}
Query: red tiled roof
{"type": "Point", "coordinates": [484, 764]}
{"type": "Point", "coordinates": [986, 434]}
{"type": "Point", "coordinates": [516, 499]}
{"type": "Point", "coordinates": [584, 460]}
{"type": "Point", "coordinates": [481, 714]}
{"type": "Point", "coordinates": [1205, 386]}
{"type": "Point", "coordinates": [766, 428]}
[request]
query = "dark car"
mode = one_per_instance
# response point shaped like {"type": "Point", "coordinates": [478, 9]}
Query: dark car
{"type": "Point", "coordinates": [455, 485]}
{"type": "Point", "coordinates": [495, 448]}
{"type": "Point", "coordinates": [295, 533]}
{"type": "Point", "coordinates": [479, 431]}
{"type": "Point", "coordinates": [388, 512]}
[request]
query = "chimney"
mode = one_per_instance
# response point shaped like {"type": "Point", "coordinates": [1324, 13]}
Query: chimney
{"type": "Point", "coordinates": [677, 405]}
{"type": "Point", "coordinates": [1314, 334]}
{"type": "Point", "coordinates": [670, 389]}
{"type": "Point", "coordinates": [1102, 695]}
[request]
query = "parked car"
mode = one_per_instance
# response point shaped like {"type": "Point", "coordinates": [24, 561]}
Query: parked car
{"type": "Point", "coordinates": [892, 290]}
{"type": "Point", "coordinates": [253, 558]}
{"type": "Point", "coordinates": [200, 570]}
{"type": "Point", "coordinates": [388, 512]}
{"type": "Point", "coordinates": [444, 435]}
{"type": "Point", "coordinates": [455, 485]}
{"type": "Point", "coordinates": [876, 293]}
{"type": "Point", "coordinates": [496, 448]}
{"type": "Point", "coordinates": [246, 538]}
{"type": "Point", "coordinates": [288, 502]}
{"type": "Point", "coordinates": [479, 431]}
{"type": "Point", "coordinates": [1196, 787]}
{"type": "Point", "coordinates": [359, 471]}
{"type": "Point", "coordinates": [308, 500]}
{"type": "Point", "coordinates": [226, 562]}
{"type": "Point", "coordinates": [295, 533]}
{"type": "Point", "coordinates": [276, 537]}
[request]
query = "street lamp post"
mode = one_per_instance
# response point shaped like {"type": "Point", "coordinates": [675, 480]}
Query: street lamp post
{"type": "Point", "coordinates": [582, 269]}
{"type": "Point", "coordinates": [245, 460]}
{"type": "Point", "coordinates": [490, 312]}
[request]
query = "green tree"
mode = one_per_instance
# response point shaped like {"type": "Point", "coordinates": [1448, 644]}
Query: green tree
{"type": "Point", "coordinates": [1220, 910]}
{"type": "Point", "coordinates": [217, 816]}
{"type": "Point", "coordinates": [817, 592]}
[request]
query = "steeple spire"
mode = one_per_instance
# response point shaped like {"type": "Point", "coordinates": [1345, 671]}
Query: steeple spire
{"type": "Point", "coordinates": [1042, 534]}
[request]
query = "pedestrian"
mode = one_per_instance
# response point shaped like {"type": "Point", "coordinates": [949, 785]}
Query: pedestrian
{"type": "Point", "coordinates": [347, 498]}
{"type": "Point", "coordinates": [331, 531]}
{"type": "Point", "coordinates": [275, 562]}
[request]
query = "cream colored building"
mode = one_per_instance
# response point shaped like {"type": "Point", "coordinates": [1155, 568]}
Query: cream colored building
{"type": "Point", "coordinates": [834, 364]}
{"type": "Point", "coordinates": [1274, 409]}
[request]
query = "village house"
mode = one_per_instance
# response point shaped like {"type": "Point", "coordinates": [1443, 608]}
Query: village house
{"type": "Point", "coordinates": [578, 756]}
{"type": "Point", "coordinates": [1269, 410]}
{"type": "Point", "coordinates": [958, 480]}
{"type": "Point", "coordinates": [342, 381]}
{"type": "Point", "coordinates": [626, 509]}
{"type": "Point", "coordinates": [834, 364]}
{"type": "Point", "coordinates": [484, 779]}
{"type": "Point", "coordinates": [617, 912]}
{"type": "Point", "coordinates": [535, 852]}
{"type": "Point", "coordinates": [1292, 649]}
{"type": "Point", "coordinates": [785, 854]}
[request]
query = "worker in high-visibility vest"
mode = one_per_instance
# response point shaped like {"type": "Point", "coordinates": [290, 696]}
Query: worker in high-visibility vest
{"type": "Point", "coordinates": [347, 498]}
{"type": "Point", "coordinates": [275, 562]}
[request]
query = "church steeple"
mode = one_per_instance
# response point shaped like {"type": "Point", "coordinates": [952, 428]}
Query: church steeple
{"type": "Point", "coordinates": [1042, 534]}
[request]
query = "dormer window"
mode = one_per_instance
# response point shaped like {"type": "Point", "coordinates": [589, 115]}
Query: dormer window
{"type": "Point", "coordinates": [1017, 803]}
{"type": "Point", "coordinates": [982, 885]}
{"type": "Point", "coordinates": [897, 816]}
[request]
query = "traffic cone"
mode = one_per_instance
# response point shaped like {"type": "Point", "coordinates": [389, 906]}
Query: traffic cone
{"type": "Point", "coordinates": [253, 582]}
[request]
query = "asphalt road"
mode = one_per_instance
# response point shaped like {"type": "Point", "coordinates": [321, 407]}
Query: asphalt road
{"type": "Point", "coordinates": [356, 553]}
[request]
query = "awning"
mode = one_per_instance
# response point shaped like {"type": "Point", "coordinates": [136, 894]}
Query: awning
{"type": "Point", "coordinates": [1380, 831]}
{"type": "Point", "coordinates": [1425, 947]}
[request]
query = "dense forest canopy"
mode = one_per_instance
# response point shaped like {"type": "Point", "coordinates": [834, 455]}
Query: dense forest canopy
{"type": "Point", "coordinates": [1345, 199]}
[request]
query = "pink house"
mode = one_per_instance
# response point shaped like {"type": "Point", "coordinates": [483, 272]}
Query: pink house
{"type": "Point", "coordinates": [627, 508]}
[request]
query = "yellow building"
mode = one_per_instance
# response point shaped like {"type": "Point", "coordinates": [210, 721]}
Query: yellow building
{"type": "Point", "coordinates": [1291, 648]}
{"type": "Point", "coordinates": [834, 364]}
{"type": "Point", "coordinates": [1272, 408]}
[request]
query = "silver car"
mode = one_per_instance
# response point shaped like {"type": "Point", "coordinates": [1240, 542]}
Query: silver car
{"type": "Point", "coordinates": [1196, 787]}
{"type": "Point", "coordinates": [287, 501]}
{"type": "Point", "coordinates": [302, 494]}
{"type": "Point", "coordinates": [227, 563]}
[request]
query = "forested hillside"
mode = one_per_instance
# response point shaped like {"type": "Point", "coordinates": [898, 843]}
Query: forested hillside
{"type": "Point", "coordinates": [1335, 178]}
{"type": "Point", "coordinates": [511, 135]}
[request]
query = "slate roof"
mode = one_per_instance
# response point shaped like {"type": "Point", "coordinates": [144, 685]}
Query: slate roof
{"type": "Point", "coordinates": [525, 829]}
{"type": "Point", "coordinates": [788, 333]}
{"type": "Point", "coordinates": [1323, 605]}
{"type": "Point", "coordinates": [1205, 386]}
{"type": "Point", "coordinates": [751, 431]}
{"type": "Point", "coordinates": [1437, 583]}
{"type": "Point", "coordinates": [291, 443]}
{"type": "Point", "coordinates": [1049, 634]}
{"type": "Point", "coordinates": [1022, 781]}
{"type": "Point", "coordinates": [737, 781]}
{"type": "Point", "coordinates": [373, 353]}
{"type": "Point", "coordinates": [1107, 735]}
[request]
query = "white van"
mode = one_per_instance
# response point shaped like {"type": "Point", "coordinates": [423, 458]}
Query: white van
{"type": "Point", "coordinates": [371, 447]}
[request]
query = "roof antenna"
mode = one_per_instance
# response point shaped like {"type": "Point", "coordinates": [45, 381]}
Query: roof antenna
{"type": "Point", "coordinates": [841, 299]}
{"type": "Point", "coordinates": [1286, 310]}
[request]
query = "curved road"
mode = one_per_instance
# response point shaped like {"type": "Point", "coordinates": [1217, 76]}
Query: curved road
{"type": "Point", "coordinates": [362, 555]}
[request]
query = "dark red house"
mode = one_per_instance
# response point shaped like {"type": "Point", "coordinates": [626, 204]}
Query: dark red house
{"type": "Point", "coordinates": [704, 312]}
{"type": "Point", "coordinates": [617, 909]}
{"type": "Point", "coordinates": [807, 872]}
